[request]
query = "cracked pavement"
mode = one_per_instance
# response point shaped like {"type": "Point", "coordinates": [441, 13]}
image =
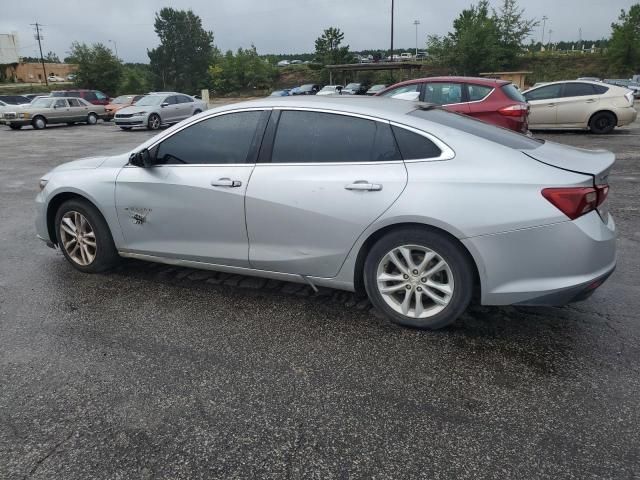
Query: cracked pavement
{"type": "Point", "coordinates": [152, 371]}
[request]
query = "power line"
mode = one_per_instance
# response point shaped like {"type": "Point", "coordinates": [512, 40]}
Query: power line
{"type": "Point", "coordinates": [39, 38]}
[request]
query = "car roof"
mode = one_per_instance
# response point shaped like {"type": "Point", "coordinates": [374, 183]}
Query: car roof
{"type": "Point", "coordinates": [591, 82]}
{"type": "Point", "coordinates": [489, 82]}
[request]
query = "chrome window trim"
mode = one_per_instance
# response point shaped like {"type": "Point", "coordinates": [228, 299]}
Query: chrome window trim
{"type": "Point", "coordinates": [446, 152]}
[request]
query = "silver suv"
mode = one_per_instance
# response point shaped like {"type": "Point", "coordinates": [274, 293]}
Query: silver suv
{"type": "Point", "coordinates": [157, 109]}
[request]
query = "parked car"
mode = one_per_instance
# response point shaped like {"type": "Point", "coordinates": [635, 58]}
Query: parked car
{"type": "Point", "coordinates": [307, 89]}
{"type": "Point", "coordinates": [631, 85]}
{"type": "Point", "coordinates": [14, 99]}
{"type": "Point", "coordinates": [420, 56]}
{"type": "Point", "coordinates": [55, 78]}
{"type": "Point", "coordinates": [294, 91]}
{"type": "Point", "coordinates": [588, 79]}
{"type": "Point", "coordinates": [283, 63]}
{"type": "Point", "coordinates": [330, 90]}
{"type": "Point", "coordinates": [157, 109]}
{"type": "Point", "coordinates": [280, 93]}
{"type": "Point", "coordinates": [355, 88]}
{"type": "Point", "coordinates": [494, 101]}
{"type": "Point", "coordinates": [92, 96]}
{"type": "Point", "coordinates": [421, 208]}
{"type": "Point", "coordinates": [583, 105]}
{"type": "Point", "coordinates": [119, 103]}
{"type": "Point", "coordinates": [375, 89]}
{"type": "Point", "coordinates": [405, 56]}
{"type": "Point", "coordinates": [49, 110]}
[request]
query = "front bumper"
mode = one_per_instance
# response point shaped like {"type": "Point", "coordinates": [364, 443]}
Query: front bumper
{"type": "Point", "coordinates": [130, 122]}
{"type": "Point", "coordinates": [548, 265]}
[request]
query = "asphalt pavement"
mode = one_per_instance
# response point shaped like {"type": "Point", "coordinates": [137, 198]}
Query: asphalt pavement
{"type": "Point", "coordinates": [152, 371]}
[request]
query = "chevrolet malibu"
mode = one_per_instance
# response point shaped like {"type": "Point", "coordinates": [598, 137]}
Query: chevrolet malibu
{"type": "Point", "coordinates": [420, 207]}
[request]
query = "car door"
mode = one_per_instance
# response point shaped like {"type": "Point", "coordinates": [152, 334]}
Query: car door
{"type": "Point", "coordinates": [170, 110]}
{"type": "Point", "coordinates": [78, 110]}
{"type": "Point", "coordinates": [190, 203]}
{"type": "Point", "coordinates": [576, 105]}
{"type": "Point", "coordinates": [478, 107]}
{"type": "Point", "coordinates": [451, 95]}
{"type": "Point", "coordinates": [321, 180]}
{"type": "Point", "coordinates": [186, 106]}
{"type": "Point", "coordinates": [543, 103]}
{"type": "Point", "coordinates": [60, 113]}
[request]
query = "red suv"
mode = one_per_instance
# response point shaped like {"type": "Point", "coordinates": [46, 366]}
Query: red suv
{"type": "Point", "coordinates": [92, 96]}
{"type": "Point", "coordinates": [494, 101]}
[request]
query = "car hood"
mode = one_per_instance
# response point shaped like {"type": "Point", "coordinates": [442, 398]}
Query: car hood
{"type": "Point", "coordinates": [83, 163]}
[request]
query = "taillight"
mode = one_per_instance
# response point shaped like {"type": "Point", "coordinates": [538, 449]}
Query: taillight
{"type": "Point", "coordinates": [629, 96]}
{"type": "Point", "coordinates": [576, 201]}
{"type": "Point", "coordinates": [514, 110]}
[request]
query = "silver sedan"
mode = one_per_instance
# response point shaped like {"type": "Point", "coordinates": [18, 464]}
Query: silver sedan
{"type": "Point", "coordinates": [421, 208]}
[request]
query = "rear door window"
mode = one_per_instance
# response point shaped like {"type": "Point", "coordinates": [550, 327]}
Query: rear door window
{"type": "Point", "coordinates": [414, 87]}
{"type": "Point", "coordinates": [478, 92]}
{"type": "Point", "coordinates": [443, 93]}
{"type": "Point", "coordinates": [600, 89]}
{"type": "Point", "coordinates": [512, 92]}
{"type": "Point", "coordinates": [577, 89]}
{"type": "Point", "coordinates": [317, 137]}
{"type": "Point", "coordinates": [413, 146]}
{"type": "Point", "coordinates": [464, 123]}
{"type": "Point", "coordinates": [74, 102]}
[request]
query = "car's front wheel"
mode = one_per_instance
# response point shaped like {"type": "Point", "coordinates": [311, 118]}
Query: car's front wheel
{"type": "Point", "coordinates": [84, 237]}
{"type": "Point", "coordinates": [154, 121]}
{"type": "Point", "coordinates": [39, 123]}
{"type": "Point", "coordinates": [419, 278]}
{"type": "Point", "coordinates": [92, 119]}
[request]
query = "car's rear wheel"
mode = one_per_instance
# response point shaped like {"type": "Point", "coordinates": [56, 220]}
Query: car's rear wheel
{"type": "Point", "coordinates": [13, 126]}
{"type": "Point", "coordinates": [71, 123]}
{"type": "Point", "coordinates": [126, 128]}
{"type": "Point", "coordinates": [154, 121]}
{"type": "Point", "coordinates": [92, 119]}
{"type": "Point", "coordinates": [84, 237]}
{"type": "Point", "coordinates": [419, 278]}
{"type": "Point", "coordinates": [196, 112]}
{"type": "Point", "coordinates": [602, 123]}
{"type": "Point", "coordinates": [39, 123]}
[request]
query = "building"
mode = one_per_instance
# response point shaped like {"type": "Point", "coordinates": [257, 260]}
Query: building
{"type": "Point", "coordinates": [517, 78]}
{"type": "Point", "coordinates": [9, 48]}
{"type": "Point", "coordinates": [33, 73]}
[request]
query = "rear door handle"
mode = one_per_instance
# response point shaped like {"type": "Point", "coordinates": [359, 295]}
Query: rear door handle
{"type": "Point", "coordinates": [591, 100]}
{"type": "Point", "coordinates": [226, 182]}
{"type": "Point", "coordinates": [551, 105]}
{"type": "Point", "coordinates": [363, 185]}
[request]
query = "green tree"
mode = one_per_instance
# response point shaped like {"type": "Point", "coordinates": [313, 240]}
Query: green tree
{"type": "Point", "coordinates": [136, 79]}
{"type": "Point", "coordinates": [328, 49]}
{"type": "Point", "coordinates": [98, 67]}
{"type": "Point", "coordinates": [624, 47]}
{"type": "Point", "coordinates": [52, 58]}
{"type": "Point", "coordinates": [242, 71]}
{"type": "Point", "coordinates": [185, 52]}
{"type": "Point", "coordinates": [513, 29]}
{"type": "Point", "coordinates": [474, 44]}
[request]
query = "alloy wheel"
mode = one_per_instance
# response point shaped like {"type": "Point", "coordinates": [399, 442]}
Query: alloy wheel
{"type": "Point", "coordinates": [415, 281]}
{"type": "Point", "coordinates": [78, 238]}
{"type": "Point", "coordinates": [154, 122]}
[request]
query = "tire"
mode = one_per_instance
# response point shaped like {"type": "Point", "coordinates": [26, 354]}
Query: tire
{"type": "Point", "coordinates": [126, 128]}
{"type": "Point", "coordinates": [439, 308]}
{"type": "Point", "coordinates": [92, 119]}
{"type": "Point", "coordinates": [197, 112]}
{"type": "Point", "coordinates": [13, 126]}
{"type": "Point", "coordinates": [98, 258]}
{"type": "Point", "coordinates": [602, 123]}
{"type": "Point", "coordinates": [154, 122]}
{"type": "Point", "coordinates": [71, 123]}
{"type": "Point", "coordinates": [39, 123]}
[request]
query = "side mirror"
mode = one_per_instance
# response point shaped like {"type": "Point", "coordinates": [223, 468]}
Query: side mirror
{"type": "Point", "coordinates": [141, 159]}
{"type": "Point", "coordinates": [164, 104]}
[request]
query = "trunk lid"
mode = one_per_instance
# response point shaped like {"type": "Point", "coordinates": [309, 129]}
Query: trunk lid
{"type": "Point", "coordinates": [596, 163]}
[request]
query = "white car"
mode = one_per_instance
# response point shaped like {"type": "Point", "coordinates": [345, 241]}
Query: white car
{"type": "Point", "coordinates": [581, 105]}
{"type": "Point", "coordinates": [330, 90]}
{"type": "Point", "coordinates": [157, 109]}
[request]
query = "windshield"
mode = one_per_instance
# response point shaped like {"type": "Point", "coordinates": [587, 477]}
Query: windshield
{"type": "Point", "coordinates": [42, 102]}
{"type": "Point", "coordinates": [353, 85]}
{"type": "Point", "coordinates": [150, 100]}
{"type": "Point", "coordinates": [463, 123]}
{"type": "Point", "coordinates": [121, 99]}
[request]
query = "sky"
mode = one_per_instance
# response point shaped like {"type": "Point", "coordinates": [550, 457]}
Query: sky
{"type": "Point", "coordinates": [279, 26]}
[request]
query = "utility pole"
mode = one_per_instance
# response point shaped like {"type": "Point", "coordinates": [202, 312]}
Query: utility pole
{"type": "Point", "coordinates": [392, 5]}
{"type": "Point", "coordinates": [544, 23]}
{"type": "Point", "coordinates": [39, 38]}
{"type": "Point", "coordinates": [115, 46]}
{"type": "Point", "coordinates": [416, 23]}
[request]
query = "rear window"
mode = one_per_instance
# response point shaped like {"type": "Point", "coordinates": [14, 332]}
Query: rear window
{"type": "Point", "coordinates": [600, 89]}
{"type": "Point", "coordinates": [501, 136]}
{"type": "Point", "coordinates": [513, 93]}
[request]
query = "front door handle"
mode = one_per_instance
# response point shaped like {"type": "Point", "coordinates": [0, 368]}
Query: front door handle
{"type": "Point", "coordinates": [551, 105]}
{"type": "Point", "coordinates": [363, 185]}
{"type": "Point", "coordinates": [591, 100]}
{"type": "Point", "coordinates": [226, 182]}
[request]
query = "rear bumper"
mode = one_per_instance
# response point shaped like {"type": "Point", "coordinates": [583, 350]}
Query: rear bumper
{"type": "Point", "coordinates": [626, 116]}
{"type": "Point", "coordinates": [549, 265]}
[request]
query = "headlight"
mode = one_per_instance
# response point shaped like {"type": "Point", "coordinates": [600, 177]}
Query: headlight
{"type": "Point", "coordinates": [43, 183]}
{"type": "Point", "coordinates": [139, 113]}
{"type": "Point", "coordinates": [24, 115]}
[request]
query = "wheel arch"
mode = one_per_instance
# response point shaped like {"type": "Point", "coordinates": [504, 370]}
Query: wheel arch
{"type": "Point", "coordinates": [54, 204]}
{"type": "Point", "coordinates": [358, 275]}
